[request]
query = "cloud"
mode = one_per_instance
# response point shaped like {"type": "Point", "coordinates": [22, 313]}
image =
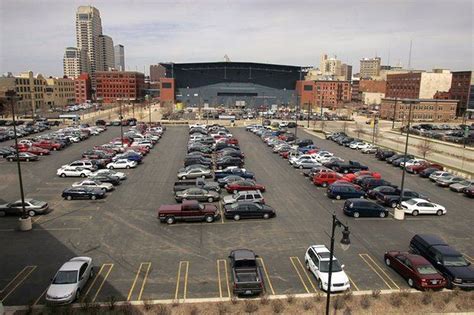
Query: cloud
{"type": "Point", "coordinates": [35, 33]}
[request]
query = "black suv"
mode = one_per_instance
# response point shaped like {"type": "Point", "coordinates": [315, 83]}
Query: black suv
{"type": "Point", "coordinates": [363, 208]}
{"type": "Point", "coordinates": [447, 260]}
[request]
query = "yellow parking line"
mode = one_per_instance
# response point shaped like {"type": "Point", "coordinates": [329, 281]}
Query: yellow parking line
{"type": "Point", "coordinates": [102, 283]}
{"type": "Point", "coordinates": [266, 274]}
{"type": "Point", "coordinates": [109, 266]}
{"type": "Point", "coordinates": [16, 282]}
{"type": "Point", "coordinates": [224, 262]}
{"type": "Point", "coordinates": [139, 272]}
{"type": "Point", "coordinates": [468, 258]}
{"type": "Point", "coordinates": [296, 261]}
{"type": "Point", "coordinates": [39, 298]}
{"type": "Point", "coordinates": [372, 264]}
{"type": "Point", "coordinates": [178, 280]}
{"type": "Point", "coordinates": [353, 283]}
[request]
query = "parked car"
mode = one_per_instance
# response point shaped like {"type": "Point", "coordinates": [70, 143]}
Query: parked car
{"type": "Point", "coordinates": [32, 207]}
{"type": "Point", "coordinates": [371, 183]}
{"type": "Point", "coordinates": [372, 193]}
{"type": "Point", "coordinates": [427, 172]}
{"type": "Point", "coordinates": [189, 210]}
{"type": "Point", "coordinates": [363, 208]}
{"type": "Point", "coordinates": [448, 180]}
{"type": "Point", "coordinates": [83, 193]}
{"type": "Point", "coordinates": [439, 174]}
{"type": "Point", "coordinates": [228, 179]}
{"type": "Point", "coordinates": [448, 261]}
{"type": "Point", "coordinates": [244, 185]}
{"type": "Point", "coordinates": [415, 269]}
{"type": "Point", "coordinates": [417, 206]}
{"type": "Point", "coordinates": [248, 210]}
{"type": "Point", "coordinates": [85, 164]}
{"type": "Point", "coordinates": [317, 262]}
{"type": "Point", "coordinates": [70, 280]}
{"type": "Point", "coordinates": [352, 176]}
{"type": "Point", "coordinates": [196, 194]}
{"type": "Point", "coordinates": [226, 161]}
{"type": "Point", "coordinates": [234, 171]}
{"type": "Point", "coordinates": [73, 171]}
{"type": "Point", "coordinates": [105, 178]}
{"type": "Point", "coordinates": [350, 167]}
{"type": "Point", "coordinates": [418, 168]}
{"type": "Point", "coordinates": [246, 275]}
{"type": "Point", "coordinates": [324, 179]}
{"type": "Point", "coordinates": [196, 183]}
{"type": "Point", "coordinates": [460, 186]}
{"type": "Point", "coordinates": [94, 184]}
{"type": "Point", "coordinates": [119, 175]}
{"type": "Point", "coordinates": [392, 199]}
{"type": "Point", "coordinates": [23, 157]}
{"type": "Point", "coordinates": [338, 191]}
{"type": "Point", "coordinates": [382, 155]}
{"type": "Point", "coordinates": [195, 173]}
{"type": "Point", "coordinates": [122, 163]}
{"type": "Point", "coordinates": [469, 192]}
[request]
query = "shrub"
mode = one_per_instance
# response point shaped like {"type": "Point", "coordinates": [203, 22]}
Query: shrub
{"type": "Point", "coordinates": [347, 311]}
{"type": "Point", "coordinates": [318, 297]}
{"type": "Point", "coordinates": [148, 304]}
{"type": "Point", "coordinates": [427, 297]}
{"type": "Point", "coordinates": [365, 302]}
{"type": "Point", "coordinates": [376, 293]}
{"type": "Point", "coordinates": [396, 300]}
{"type": "Point", "coordinates": [290, 298]}
{"type": "Point", "coordinates": [163, 309]}
{"type": "Point", "coordinates": [347, 296]}
{"type": "Point", "coordinates": [194, 310]}
{"type": "Point", "coordinates": [307, 305]}
{"type": "Point", "coordinates": [277, 306]}
{"type": "Point", "coordinates": [111, 301]}
{"type": "Point", "coordinates": [250, 307]}
{"type": "Point", "coordinates": [234, 300]}
{"type": "Point", "coordinates": [338, 303]}
{"type": "Point", "coordinates": [264, 300]}
{"type": "Point", "coordinates": [222, 308]}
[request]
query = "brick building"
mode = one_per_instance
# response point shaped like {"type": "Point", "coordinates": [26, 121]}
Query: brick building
{"type": "Point", "coordinates": [422, 109]}
{"type": "Point", "coordinates": [328, 93]}
{"type": "Point", "coordinates": [167, 90]}
{"type": "Point", "coordinates": [59, 92]}
{"type": "Point", "coordinates": [119, 84]}
{"type": "Point", "coordinates": [157, 72]}
{"type": "Point", "coordinates": [82, 88]}
{"type": "Point", "coordinates": [461, 86]}
{"type": "Point", "coordinates": [418, 85]}
{"type": "Point", "coordinates": [355, 93]}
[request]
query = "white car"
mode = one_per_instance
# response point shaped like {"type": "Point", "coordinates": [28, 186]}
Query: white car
{"type": "Point", "coordinates": [143, 143]}
{"type": "Point", "coordinates": [412, 162]}
{"type": "Point", "coordinates": [73, 171]}
{"type": "Point", "coordinates": [323, 156]}
{"type": "Point", "coordinates": [105, 171]}
{"type": "Point", "coordinates": [356, 145]}
{"type": "Point", "coordinates": [283, 124]}
{"type": "Point", "coordinates": [294, 159]}
{"type": "Point", "coordinates": [417, 206]}
{"type": "Point", "coordinates": [369, 148]}
{"type": "Point", "coordinates": [94, 184]}
{"type": "Point", "coordinates": [317, 261]}
{"type": "Point", "coordinates": [122, 163]}
{"type": "Point", "coordinates": [70, 280]}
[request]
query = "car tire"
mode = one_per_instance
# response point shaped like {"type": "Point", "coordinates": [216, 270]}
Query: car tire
{"type": "Point", "coordinates": [62, 175]}
{"type": "Point", "coordinates": [68, 197]}
{"type": "Point", "coordinates": [346, 171]}
{"type": "Point", "coordinates": [31, 213]}
{"type": "Point", "coordinates": [41, 154]}
{"type": "Point", "coordinates": [83, 175]}
{"type": "Point", "coordinates": [209, 218]}
{"type": "Point", "coordinates": [127, 167]}
{"type": "Point", "coordinates": [301, 167]}
{"type": "Point", "coordinates": [210, 199]}
{"type": "Point", "coordinates": [93, 197]}
{"type": "Point", "coordinates": [338, 197]}
{"type": "Point", "coordinates": [27, 160]}
{"type": "Point", "coordinates": [183, 177]}
{"type": "Point", "coordinates": [439, 212]}
{"type": "Point", "coordinates": [203, 176]}
{"type": "Point", "coordinates": [324, 184]}
{"type": "Point", "coordinates": [414, 213]}
{"type": "Point", "coordinates": [236, 191]}
{"type": "Point", "coordinates": [170, 220]}
{"type": "Point", "coordinates": [393, 205]}
{"type": "Point", "coordinates": [266, 216]}
{"type": "Point", "coordinates": [320, 285]}
{"type": "Point", "coordinates": [387, 262]}
{"type": "Point", "coordinates": [415, 172]}
{"type": "Point", "coordinates": [2, 213]}
{"type": "Point", "coordinates": [382, 214]}
{"type": "Point", "coordinates": [307, 265]}
{"type": "Point", "coordinates": [111, 167]}
{"type": "Point", "coordinates": [410, 282]}
{"type": "Point", "coordinates": [356, 214]}
{"type": "Point", "coordinates": [236, 217]}
{"type": "Point", "coordinates": [11, 160]}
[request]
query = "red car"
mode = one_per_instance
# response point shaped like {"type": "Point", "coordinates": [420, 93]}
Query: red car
{"type": "Point", "coordinates": [284, 154]}
{"type": "Point", "coordinates": [142, 149]}
{"type": "Point", "coordinates": [241, 185]}
{"type": "Point", "coordinates": [415, 169]}
{"type": "Point", "coordinates": [469, 192]}
{"type": "Point", "coordinates": [352, 177]}
{"type": "Point", "coordinates": [326, 178]}
{"type": "Point", "coordinates": [37, 151]}
{"type": "Point", "coordinates": [417, 271]}
{"type": "Point", "coordinates": [232, 141]}
{"type": "Point", "coordinates": [49, 145]}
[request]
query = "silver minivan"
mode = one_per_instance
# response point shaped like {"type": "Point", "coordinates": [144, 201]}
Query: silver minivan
{"type": "Point", "coordinates": [248, 196]}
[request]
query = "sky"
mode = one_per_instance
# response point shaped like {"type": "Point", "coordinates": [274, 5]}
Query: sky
{"type": "Point", "coordinates": [34, 33]}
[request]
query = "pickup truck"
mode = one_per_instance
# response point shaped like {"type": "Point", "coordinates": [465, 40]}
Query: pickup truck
{"type": "Point", "coordinates": [198, 182]}
{"type": "Point", "coordinates": [350, 167]}
{"type": "Point", "coordinates": [189, 210]}
{"type": "Point", "coordinates": [246, 273]}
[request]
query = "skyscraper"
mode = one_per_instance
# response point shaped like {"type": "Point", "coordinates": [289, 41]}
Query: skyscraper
{"type": "Point", "coordinates": [119, 52]}
{"type": "Point", "coordinates": [88, 29]}
{"type": "Point", "coordinates": [106, 58]}
{"type": "Point", "coordinates": [74, 62]}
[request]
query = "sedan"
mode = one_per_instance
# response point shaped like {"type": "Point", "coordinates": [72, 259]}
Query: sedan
{"type": "Point", "coordinates": [248, 210]}
{"type": "Point", "coordinates": [94, 184]}
{"type": "Point", "coordinates": [195, 173]}
{"type": "Point", "coordinates": [23, 156]}
{"type": "Point", "coordinates": [244, 185]}
{"type": "Point", "coordinates": [70, 280]}
{"type": "Point", "coordinates": [37, 151]}
{"type": "Point", "coordinates": [108, 172]}
{"type": "Point", "coordinates": [306, 163]}
{"type": "Point", "coordinates": [439, 174]}
{"type": "Point", "coordinates": [229, 179]}
{"type": "Point", "coordinates": [83, 193]}
{"type": "Point", "coordinates": [104, 178]}
{"type": "Point", "coordinates": [417, 206]}
{"type": "Point", "coordinates": [73, 171]}
{"type": "Point", "coordinates": [417, 271]}
{"type": "Point", "coordinates": [459, 187]}
{"type": "Point", "coordinates": [196, 194]}
{"type": "Point", "coordinates": [123, 163]}
{"type": "Point", "coordinates": [448, 180]}
{"type": "Point", "coordinates": [32, 207]}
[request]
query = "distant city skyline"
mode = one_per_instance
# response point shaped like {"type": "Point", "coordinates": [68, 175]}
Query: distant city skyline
{"type": "Point", "coordinates": [35, 34]}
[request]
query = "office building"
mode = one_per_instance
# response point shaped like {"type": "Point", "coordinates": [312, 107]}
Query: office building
{"type": "Point", "coordinates": [422, 109]}
{"type": "Point", "coordinates": [58, 93]}
{"type": "Point", "coordinates": [82, 88]}
{"type": "Point", "coordinates": [330, 66]}
{"type": "Point", "coordinates": [416, 85]}
{"type": "Point", "coordinates": [119, 53]}
{"type": "Point", "coordinates": [73, 62]}
{"type": "Point", "coordinates": [106, 57]}
{"type": "Point", "coordinates": [370, 67]}
{"type": "Point", "coordinates": [325, 93]}
{"type": "Point", "coordinates": [462, 89]}
{"type": "Point", "coordinates": [157, 72]}
{"type": "Point", "coordinates": [113, 85]}
{"type": "Point", "coordinates": [88, 29]}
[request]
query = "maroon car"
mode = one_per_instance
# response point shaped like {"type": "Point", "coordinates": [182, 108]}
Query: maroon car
{"type": "Point", "coordinates": [189, 210]}
{"type": "Point", "coordinates": [418, 271]}
{"type": "Point", "coordinates": [469, 191]}
{"type": "Point", "coordinates": [415, 169]}
{"type": "Point", "coordinates": [241, 185]}
{"type": "Point", "coordinates": [49, 145]}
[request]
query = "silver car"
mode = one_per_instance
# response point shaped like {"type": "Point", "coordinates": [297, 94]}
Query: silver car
{"type": "Point", "coordinates": [459, 187]}
{"type": "Point", "coordinates": [448, 180]}
{"type": "Point", "coordinates": [32, 207]}
{"type": "Point", "coordinates": [70, 280]}
{"type": "Point", "coordinates": [195, 173]}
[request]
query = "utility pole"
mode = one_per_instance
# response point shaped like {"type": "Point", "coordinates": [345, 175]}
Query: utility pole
{"type": "Point", "coordinates": [394, 113]}
{"type": "Point", "coordinates": [406, 151]}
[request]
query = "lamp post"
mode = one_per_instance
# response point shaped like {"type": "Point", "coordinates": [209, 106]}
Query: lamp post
{"type": "Point", "coordinates": [406, 151]}
{"type": "Point", "coordinates": [121, 121]}
{"type": "Point", "coordinates": [345, 243]}
{"type": "Point", "coordinates": [25, 220]}
{"type": "Point", "coordinates": [394, 113]}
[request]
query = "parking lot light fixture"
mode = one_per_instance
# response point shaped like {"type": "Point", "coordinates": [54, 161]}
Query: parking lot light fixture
{"type": "Point", "coordinates": [406, 152]}
{"type": "Point", "coordinates": [345, 243]}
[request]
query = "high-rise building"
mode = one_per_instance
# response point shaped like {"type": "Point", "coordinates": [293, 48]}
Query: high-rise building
{"type": "Point", "coordinates": [73, 62]}
{"type": "Point", "coordinates": [330, 66]}
{"type": "Point", "coordinates": [370, 67]}
{"type": "Point", "coordinates": [157, 72]}
{"type": "Point", "coordinates": [106, 55]}
{"type": "Point", "coordinates": [462, 86]}
{"type": "Point", "coordinates": [119, 52]}
{"type": "Point", "coordinates": [88, 29]}
{"type": "Point", "coordinates": [346, 72]}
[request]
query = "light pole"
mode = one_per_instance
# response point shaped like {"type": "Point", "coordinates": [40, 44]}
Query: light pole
{"type": "Point", "coordinates": [121, 121]}
{"type": "Point", "coordinates": [345, 243]}
{"type": "Point", "coordinates": [394, 113]}
{"type": "Point", "coordinates": [25, 220]}
{"type": "Point", "coordinates": [406, 151]}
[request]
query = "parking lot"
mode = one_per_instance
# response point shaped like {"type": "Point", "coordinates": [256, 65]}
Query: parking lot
{"type": "Point", "coordinates": [136, 257]}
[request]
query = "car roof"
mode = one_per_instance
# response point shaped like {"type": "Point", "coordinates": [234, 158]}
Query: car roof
{"type": "Point", "coordinates": [71, 265]}
{"type": "Point", "coordinates": [243, 254]}
{"type": "Point", "coordinates": [420, 200]}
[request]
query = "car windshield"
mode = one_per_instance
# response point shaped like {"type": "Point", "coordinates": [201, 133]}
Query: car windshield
{"type": "Point", "coordinates": [65, 277]}
{"type": "Point", "coordinates": [324, 266]}
{"type": "Point", "coordinates": [426, 270]}
{"type": "Point", "coordinates": [465, 183]}
{"type": "Point", "coordinates": [455, 261]}
{"type": "Point", "coordinates": [411, 202]}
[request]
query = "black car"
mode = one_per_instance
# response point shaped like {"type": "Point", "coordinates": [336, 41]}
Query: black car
{"type": "Point", "coordinates": [303, 142]}
{"type": "Point", "coordinates": [226, 161]}
{"type": "Point", "coordinates": [83, 193]}
{"type": "Point", "coordinates": [447, 260]}
{"type": "Point", "coordinates": [23, 156]}
{"type": "Point", "coordinates": [6, 151]}
{"type": "Point", "coordinates": [248, 210]}
{"type": "Point", "coordinates": [364, 208]}
{"type": "Point", "coordinates": [197, 160]}
{"type": "Point", "coordinates": [391, 199]}
{"type": "Point", "coordinates": [222, 145]}
{"type": "Point", "coordinates": [232, 153]}
{"type": "Point", "coordinates": [372, 183]}
{"type": "Point", "coordinates": [372, 193]}
{"type": "Point", "coordinates": [344, 191]}
{"type": "Point", "coordinates": [291, 124]}
{"type": "Point", "coordinates": [200, 148]}
{"type": "Point", "coordinates": [228, 179]}
{"type": "Point", "coordinates": [403, 159]}
{"type": "Point", "coordinates": [427, 172]}
{"type": "Point", "coordinates": [104, 178]}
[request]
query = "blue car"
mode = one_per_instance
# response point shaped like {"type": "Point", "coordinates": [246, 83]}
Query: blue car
{"type": "Point", "coordinates": [132, 157]}
{"type": "Point", "coordinates": [234, 171]}
{"type": "Point", "coordinates": [307, 148]}
{"type": "Point", "coordinates": [344, 192]}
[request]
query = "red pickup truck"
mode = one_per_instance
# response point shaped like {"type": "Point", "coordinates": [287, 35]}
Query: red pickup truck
{"type": "Point", "coordinates": [415, 169]}
{"type": "Point", "coordinates": [49, 145]}
{"type": "Point", "coordinates": [189, 210]}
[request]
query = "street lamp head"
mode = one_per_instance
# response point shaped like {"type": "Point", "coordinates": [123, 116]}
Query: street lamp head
{"type": "Point", "coordinates": [345, 241]}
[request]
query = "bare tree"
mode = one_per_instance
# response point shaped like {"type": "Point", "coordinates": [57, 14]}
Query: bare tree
{"type": "Point", "coordinates": [358, 130]}
{"type": "Point", "coordinates": [425, 147]}
{"type": "Point", "coordinates": [344, 126]}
